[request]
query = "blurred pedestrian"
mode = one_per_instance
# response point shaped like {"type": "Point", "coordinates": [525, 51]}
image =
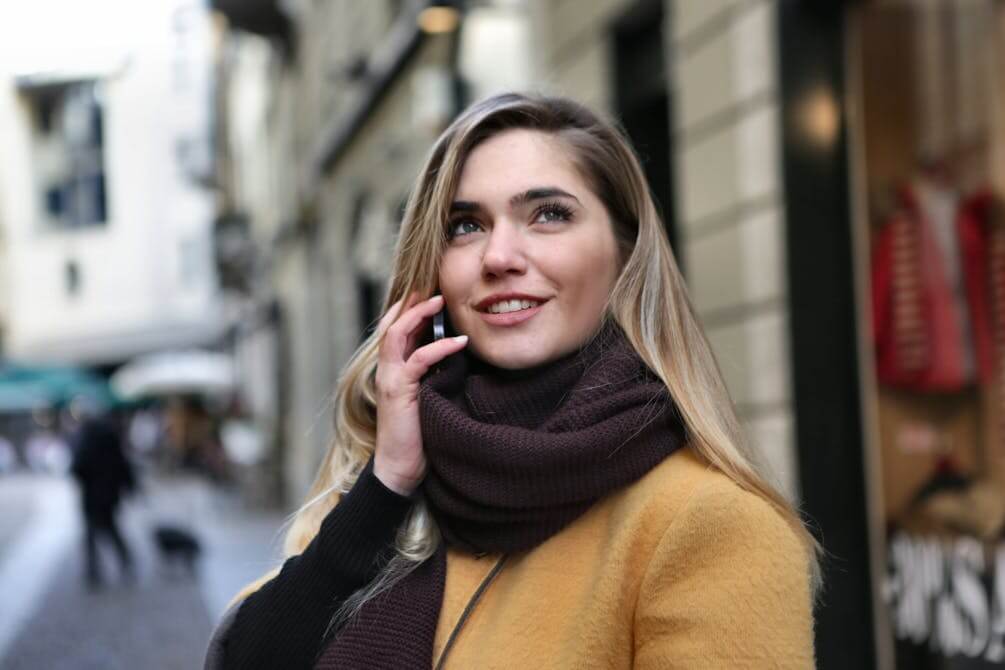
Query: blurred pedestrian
{"type": "Point", "coordinates": [192, 434]}
{"type": "Point", "coordinates": [104, 474]}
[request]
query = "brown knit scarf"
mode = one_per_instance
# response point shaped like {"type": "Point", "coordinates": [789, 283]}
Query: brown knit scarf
{"type": "Point", "coordinates": [513, 459]}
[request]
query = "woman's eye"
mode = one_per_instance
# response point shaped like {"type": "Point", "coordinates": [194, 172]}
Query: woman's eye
{"type": "Point", "coordinates": [552, 213]}
{"type": "Point", "coordinates": [462, 227]}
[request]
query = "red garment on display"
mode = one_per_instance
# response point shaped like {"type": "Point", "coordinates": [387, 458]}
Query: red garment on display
{"type": "Point", "coordinates": [918, 340]}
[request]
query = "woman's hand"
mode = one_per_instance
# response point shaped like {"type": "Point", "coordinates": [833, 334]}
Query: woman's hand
{"type": "Point", "coordinates": [399, 462]}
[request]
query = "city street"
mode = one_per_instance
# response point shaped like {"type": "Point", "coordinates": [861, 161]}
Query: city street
{"type": "Point", "coordinates": [789, 216]}
{"type": "Point", "coordinates": [162, 619]}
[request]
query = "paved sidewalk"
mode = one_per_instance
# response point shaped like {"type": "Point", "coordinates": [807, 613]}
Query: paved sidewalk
{"type": "Point", "coordinates": [153, 624]}
{"type": "Point", "coordinates": [16, 505]}
{"type": "Point", "coordinates": [38, 525]}
{"type": "Point", "coordinates": [239, 544]}
{"type": "Point", "coordinates": [164, 619]}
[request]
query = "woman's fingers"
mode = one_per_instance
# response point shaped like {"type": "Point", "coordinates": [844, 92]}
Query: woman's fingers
{"type": "Point", "coordinates": [394, 310]}
{"type": "Point", "coordinates": [389, 317]}
{"type": "Point", "coordinates": [399, 461]}
{"type": "Point", "coordinates": [426, 357]}
{"type": "Point", "coordinates": [396, 340]}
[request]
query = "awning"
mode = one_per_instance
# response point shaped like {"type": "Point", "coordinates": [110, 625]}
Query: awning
{"type": "Point", "coordinates": [192, 372]}
{"type": "Point", "coordinates": [26, 388]}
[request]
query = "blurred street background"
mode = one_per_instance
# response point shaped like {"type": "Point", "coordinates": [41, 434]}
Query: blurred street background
{"type": "Point", "coordinates": [199, 200]}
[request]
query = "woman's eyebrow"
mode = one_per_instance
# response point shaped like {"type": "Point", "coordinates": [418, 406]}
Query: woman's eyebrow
{"type": "Point", "coordinates": [539, 194]}
{"type": "Point", "coordinates": [517, 200]}
{"type": "Point", "coordinates": [464, 206]}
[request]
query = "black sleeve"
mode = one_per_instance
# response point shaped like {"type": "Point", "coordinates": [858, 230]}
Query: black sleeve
{"type": "Point", "coordinates": [283, 624]}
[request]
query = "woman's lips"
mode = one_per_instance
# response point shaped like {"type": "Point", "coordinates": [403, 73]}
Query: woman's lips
{"type": "Point", "coordinates": [510, 318]}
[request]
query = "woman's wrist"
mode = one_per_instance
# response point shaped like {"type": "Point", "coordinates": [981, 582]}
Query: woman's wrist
{"type": "Point", "coordinates": [403, 486]}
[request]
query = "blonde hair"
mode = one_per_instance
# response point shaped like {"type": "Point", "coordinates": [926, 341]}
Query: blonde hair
{"type": "Point", "coordinates": [649, 302]}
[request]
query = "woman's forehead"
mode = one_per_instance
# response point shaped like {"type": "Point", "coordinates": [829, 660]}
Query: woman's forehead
{"type": "Point", "coordinates": [514, 162]}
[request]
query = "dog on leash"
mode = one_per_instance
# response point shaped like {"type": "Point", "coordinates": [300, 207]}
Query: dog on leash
{"type": "Point", "coordinates": [177, 546]}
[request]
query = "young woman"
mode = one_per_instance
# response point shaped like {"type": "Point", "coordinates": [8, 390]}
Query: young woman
{"type": "Point", "coordinates": [560, 481]}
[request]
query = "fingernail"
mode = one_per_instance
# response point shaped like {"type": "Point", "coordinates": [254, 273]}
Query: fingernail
{"type": "Point", "coordinates": [437, 297]}
{"type": "Point", "coordinates": [461, 338]}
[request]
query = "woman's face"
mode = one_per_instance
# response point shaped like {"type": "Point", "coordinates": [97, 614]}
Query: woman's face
{"type": "Point", "coordinates": [531, 257]}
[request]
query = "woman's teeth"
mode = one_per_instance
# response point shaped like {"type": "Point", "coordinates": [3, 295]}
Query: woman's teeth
{"type": "Point", "coordinates": [511, 306]}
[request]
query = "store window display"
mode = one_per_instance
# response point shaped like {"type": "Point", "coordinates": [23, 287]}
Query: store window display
{"type": "Point", "coordinates": [930, 78]}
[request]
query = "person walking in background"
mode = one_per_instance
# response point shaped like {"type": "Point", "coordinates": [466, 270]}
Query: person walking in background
{"type": "Point", "coordinates": [104, 474]}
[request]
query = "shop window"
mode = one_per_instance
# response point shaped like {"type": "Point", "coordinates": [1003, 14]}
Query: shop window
{"type": "Point", "coordinates": [929, 78]}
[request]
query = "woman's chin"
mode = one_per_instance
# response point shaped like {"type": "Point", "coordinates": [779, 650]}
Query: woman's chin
{"type": "Point", "coordinates": [514, 356]}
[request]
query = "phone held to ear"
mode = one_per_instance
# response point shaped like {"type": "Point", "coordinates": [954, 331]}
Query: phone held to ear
{"type": "Point", "coordinates": [439, 328]}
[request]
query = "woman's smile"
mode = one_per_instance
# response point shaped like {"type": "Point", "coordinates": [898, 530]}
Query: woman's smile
{"type": "Point", "coordinates": [509, 309]}
{"type": "Point", "coordinates": [512, 316]}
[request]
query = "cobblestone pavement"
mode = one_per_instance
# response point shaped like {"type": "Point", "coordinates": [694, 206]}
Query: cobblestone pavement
{"type": "Point", "coordinates": [156, 623]}
{"type": "Point", "coordinates": [15, 507]}
{"type": "Point", "coordinates": [164, 618]}
{"type": "Point", "coordinates": [38, 524]}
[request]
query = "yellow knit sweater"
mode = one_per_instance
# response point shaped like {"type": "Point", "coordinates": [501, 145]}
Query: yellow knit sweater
{"type": "Point", "coordinates": [682, 569]}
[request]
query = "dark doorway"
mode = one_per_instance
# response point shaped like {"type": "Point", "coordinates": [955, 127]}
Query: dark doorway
{"type": "Point", "coordinates": [642, 97]}
{"type": "Point", "coordinates": [823, 318]}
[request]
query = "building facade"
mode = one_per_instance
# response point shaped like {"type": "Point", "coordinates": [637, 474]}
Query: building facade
{"type": "Point", "coordinates": [727, 230]}
{"type": "Point", "coordinates": [116, 199]}
{"type": "Point", "coordinates": [773, 133]}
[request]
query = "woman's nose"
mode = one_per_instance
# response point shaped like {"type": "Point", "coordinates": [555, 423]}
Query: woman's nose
{"type": "Point", "coordinates": [504, 253]}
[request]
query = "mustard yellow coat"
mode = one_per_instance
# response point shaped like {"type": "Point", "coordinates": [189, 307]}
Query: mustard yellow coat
{"type": "Point", "coordinates": [682, 569]}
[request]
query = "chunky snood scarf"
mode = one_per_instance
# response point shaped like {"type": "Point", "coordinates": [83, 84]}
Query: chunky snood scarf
{"type": "Point", "coordinates": [514, 457]}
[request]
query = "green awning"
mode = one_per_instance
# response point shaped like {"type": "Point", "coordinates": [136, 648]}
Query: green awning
{"type": "Point", "coordinates": [25, 388]}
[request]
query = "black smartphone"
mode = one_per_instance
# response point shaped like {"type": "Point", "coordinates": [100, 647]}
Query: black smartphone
{"type": "Point", "coordinates": [439, 327]}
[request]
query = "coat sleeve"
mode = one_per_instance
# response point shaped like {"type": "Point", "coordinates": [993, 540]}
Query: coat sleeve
{"type": "Point", "coordinates": [728, 586]}
{"type": "Point", "coordinates": [214, 652]}
{"type": "Point", "coordinates": [284, 622]}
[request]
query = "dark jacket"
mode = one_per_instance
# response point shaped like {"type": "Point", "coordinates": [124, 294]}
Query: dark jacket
{"type": "Point", "coordinates": [101, 467]}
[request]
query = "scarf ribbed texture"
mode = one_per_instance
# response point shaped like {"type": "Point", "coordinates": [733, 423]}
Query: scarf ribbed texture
{"type": "Point", "coordinates": [514, 457]}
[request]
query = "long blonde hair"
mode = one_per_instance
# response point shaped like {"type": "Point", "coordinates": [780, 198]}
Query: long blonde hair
{"type": "Point", "coordinates": [649, 301]}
